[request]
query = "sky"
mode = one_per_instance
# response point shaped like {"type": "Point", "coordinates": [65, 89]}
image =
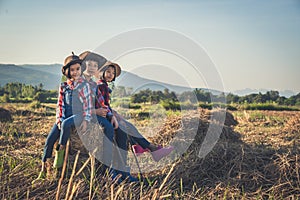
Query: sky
{"type": "Point", "coordinates": [252, 44]}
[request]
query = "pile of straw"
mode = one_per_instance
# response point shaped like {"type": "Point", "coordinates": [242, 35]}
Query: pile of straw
{"type": "Point", "coordinates": [5, 115]}
{"type": "Point", "coordinates": [235, 167]}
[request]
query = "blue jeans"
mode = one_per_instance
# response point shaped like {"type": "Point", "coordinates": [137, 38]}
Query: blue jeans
{"type": "Point", "coordinates": [107, 140]}
{"type": "Point", "coordinates": [63, 134]}
{"type": "Point", "coordinates": [121, 149]}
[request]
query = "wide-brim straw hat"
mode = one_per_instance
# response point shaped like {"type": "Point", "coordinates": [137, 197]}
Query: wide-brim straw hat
{"type": "Point", "coordinates": [87, 55]}
{"type": "Point", "coordinates": [109, 63]}
{"type": "Point", "coordinates": [70, 60]}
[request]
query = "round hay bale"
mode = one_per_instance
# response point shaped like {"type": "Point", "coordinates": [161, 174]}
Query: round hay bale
{"type": "Point", "coordinates": [87, 142]}
{"type": "Point", "coordinates": [229, 120]}
{"type": "Point", "coordinates": [5, 115]}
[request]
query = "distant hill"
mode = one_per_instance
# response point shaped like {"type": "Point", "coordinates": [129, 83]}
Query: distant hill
{"type": "Point", "coordinates": [50, 75]}
{"type": "Point", "coordinates": [31, 74]}
{"type": "Point", "coordinates": [246, 91]}
{"type": "Point", "coordinates": [139, 83]}
{"type": "Point", "coordinates": [53, 68]}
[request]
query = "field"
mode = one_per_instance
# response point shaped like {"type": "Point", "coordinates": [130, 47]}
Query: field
{"type": "Point", "coordinates": [256, 157]}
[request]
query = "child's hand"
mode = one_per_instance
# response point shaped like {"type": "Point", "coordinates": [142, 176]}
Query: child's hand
{"type": "Point", "coordinates": [114, 122]}
{"type": "Point", "coordinates": [59, 126]}
{"type": "Point", "coordinates": [101, 112]}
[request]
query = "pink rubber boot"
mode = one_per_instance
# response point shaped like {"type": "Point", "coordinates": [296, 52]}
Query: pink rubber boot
{"type": "Point", "coordinates": [161, 152]}
{"type": "Point", "coordinates": [138, 150]}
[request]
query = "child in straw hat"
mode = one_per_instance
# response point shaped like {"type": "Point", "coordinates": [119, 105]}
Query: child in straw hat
{"type": "Point", "coordinates": [74, 108]}
{"type": "Point", "coordinates": [124, 129]}
{"type": "Point", "coordinates": [90, 65]}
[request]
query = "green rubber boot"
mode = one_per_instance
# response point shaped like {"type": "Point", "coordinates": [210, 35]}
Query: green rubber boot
{"type": "Point", "coordinates": [59, 159]}
{"type": "Point", "coordinates": [42, 176]}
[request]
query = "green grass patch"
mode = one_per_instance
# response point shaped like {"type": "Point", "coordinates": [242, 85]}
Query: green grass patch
{"type": "Point", "coordinates": [268, 106]}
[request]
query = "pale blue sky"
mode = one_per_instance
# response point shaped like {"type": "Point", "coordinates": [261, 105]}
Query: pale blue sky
{"type": "Point", "coordinates": [254, 44]}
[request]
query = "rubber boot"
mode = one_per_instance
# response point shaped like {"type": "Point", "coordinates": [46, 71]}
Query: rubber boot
{"type": "Point", "coordinates": [42, 176]}
{"type": "Point", "coordinates": [138, 150]}
{"type": "Point", "coordinates": [161, 152]}
{"type": "Point", "coordinates": [59, 158]}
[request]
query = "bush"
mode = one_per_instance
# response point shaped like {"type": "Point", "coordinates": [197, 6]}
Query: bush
{"type": "Point", "coordinates": [40, 96]}
{"type": "Point", "coordinates": [170, 105]}
{"type": "Point", "coordinates": [5, 98]}
{"type": "Point", "coordinates": [5, 115]}
{"type": "Point", "coordinates": [35, 104]}
{"type": "Point", "coordinates": [135, 106]}
{"type": "Point", "coordinates": [268, 106]}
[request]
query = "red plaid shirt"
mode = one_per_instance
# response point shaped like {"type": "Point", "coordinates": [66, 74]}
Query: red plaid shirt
{"type": "Point", "coordinates": [84, 96]}
{"type": "Point", "coordinates": [104, 98]}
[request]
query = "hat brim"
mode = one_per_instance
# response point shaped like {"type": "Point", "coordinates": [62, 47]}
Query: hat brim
{"type": "Point", "coordinates": [87, 55]}
{"type": "Point", "coordinates": [72, 63]}
{"type": "Point", "coordinates": [117, 67]}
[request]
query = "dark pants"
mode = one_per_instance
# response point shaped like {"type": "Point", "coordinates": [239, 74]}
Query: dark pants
{"type": "Point", "coordinates": [122, 138]}
{"type": "Point", "coordinates": [134, 135]}
{"type": "Point", "coordinates": [107, 140]}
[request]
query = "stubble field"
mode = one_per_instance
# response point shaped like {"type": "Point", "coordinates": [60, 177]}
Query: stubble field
{"type": "Point", "coordinates": [257, 156]}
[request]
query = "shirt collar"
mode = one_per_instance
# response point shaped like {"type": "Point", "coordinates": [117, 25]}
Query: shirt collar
{"type": "Point", "coordinates": [100, 81]}
{"type": "Point", "coordinates": [70, 82]}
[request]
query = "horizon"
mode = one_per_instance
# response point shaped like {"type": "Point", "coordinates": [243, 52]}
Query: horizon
{"type": "Point", "coordinates": [252, 44]}
{"type": "Point", "coordinates": [242, 92]}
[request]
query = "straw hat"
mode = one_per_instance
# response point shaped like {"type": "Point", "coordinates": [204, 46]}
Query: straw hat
{"type": "Point", "coordinates": [70, 60]}
{"type": "Point", "coordinates": [87, 55]}
{"type": "Point", "coordinates": [115, 65]}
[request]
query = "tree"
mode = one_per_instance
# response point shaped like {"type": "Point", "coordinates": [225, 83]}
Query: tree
{"type": "Point", "coordinates": [232, 98]}
{"type": "Point", "coordinates": [40, 87]}
{"type": "Point", "coordinates": [40, 97]}
{"type": "Point", "coordinates": [5, 98]}
{"type": "Point", "coordinates": [202, 95]}
{"type": "Point", "coordinates": [272, 95]}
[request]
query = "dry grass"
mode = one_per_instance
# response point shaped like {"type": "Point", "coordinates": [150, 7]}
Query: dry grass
{"type": "Point", "coordinates": [258, 157]}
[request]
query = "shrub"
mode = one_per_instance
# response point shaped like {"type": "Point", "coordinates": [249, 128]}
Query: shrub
{"type": "Point", "coordinates": [170, 105]}
{"type": "Point", "coordinates": [268, 106]}
{"type": "Point", "coordinates": [5, 98]}
{"type": "Point", "coordinates": [35, 104]}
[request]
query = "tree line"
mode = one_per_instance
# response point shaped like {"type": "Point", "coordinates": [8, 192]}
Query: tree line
{"type": "Point", "coordinates": [17, 91]}
{"type": "Point", "coordinates": [201, 95]}
{"type": "Point", "coordinates": [20, 92]}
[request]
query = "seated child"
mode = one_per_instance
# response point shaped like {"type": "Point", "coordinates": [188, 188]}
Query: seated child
{"type": "Point", "coordinates": [74, 108]}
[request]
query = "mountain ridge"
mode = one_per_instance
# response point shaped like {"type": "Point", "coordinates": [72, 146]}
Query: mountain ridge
{"type": "Point", "coordinates": [50, 76]}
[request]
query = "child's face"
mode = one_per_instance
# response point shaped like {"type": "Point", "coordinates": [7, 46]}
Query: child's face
{"type": "Point", "coordinates": [91, 67]}
{"type": "Point", "coordinates": [109, 74]}
{"type": "Point", "coordinates": [75, 71]}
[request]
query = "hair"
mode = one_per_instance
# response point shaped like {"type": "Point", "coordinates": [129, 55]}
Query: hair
{"type": "Point", "coordinates": [83, 64]}
{"type": "Point", "coordinates": [67, 72]}
{"type": "Point", "coordinates": [108, 66]}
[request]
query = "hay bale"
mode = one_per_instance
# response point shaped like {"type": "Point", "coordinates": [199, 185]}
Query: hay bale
{"type": "Point", "coordinates": [5, 115]}
{"type": "Point", "coordinates": [229, 118]}
{"type": "Point", "coordinates": [87, 142]}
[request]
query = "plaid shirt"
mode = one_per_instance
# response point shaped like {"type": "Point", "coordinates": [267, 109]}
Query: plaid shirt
{"type": "Point", "coordinates": [103, 99]}
{"type": "Point", "coordinates": [84, 96]}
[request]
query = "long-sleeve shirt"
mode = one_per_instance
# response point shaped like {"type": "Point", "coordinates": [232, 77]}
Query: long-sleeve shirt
{"type": "Point", "coordinates": [104, 90]}
{"type": "Point", "coordinates": [85, 98]}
